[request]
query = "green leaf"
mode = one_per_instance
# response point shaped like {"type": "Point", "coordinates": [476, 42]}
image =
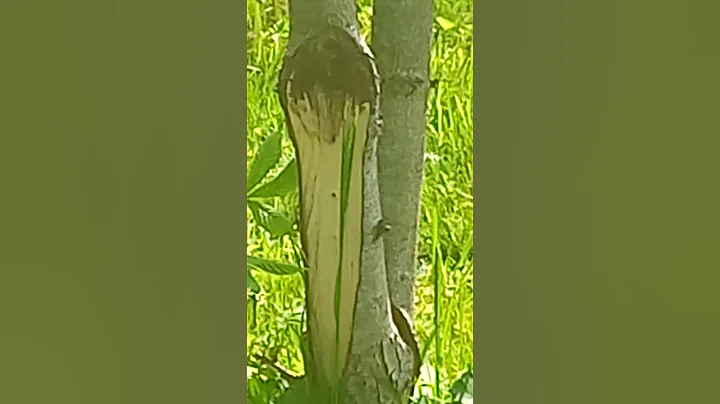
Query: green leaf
{"type": "Point", "coordinates": [267, 156]}
{"type": "Point", "coordinates": [272, 267]}
{"type": "Point", "coordinates": [462, 389]}
{"type": "Point", "coordinates": [445, 24]}
{"type": "Point", "coordinates": [252, 284]}
{"type": "Point", "coordinates": [275, 223]}
{"type": "Point", "coordinates": [283, 184]}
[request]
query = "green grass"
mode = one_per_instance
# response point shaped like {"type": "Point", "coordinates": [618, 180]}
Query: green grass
{"type": "Point", "coordinates": [446, 228]}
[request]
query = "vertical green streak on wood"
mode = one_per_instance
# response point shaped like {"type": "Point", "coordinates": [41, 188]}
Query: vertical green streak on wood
{"type": "Point", "coordinates": [348, 146]}
{"type": "Point", "coordinates": [436, 299]}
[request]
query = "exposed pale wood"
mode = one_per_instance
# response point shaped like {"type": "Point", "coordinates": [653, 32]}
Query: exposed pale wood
{"type": "Point", "coordinates": [318, 137]}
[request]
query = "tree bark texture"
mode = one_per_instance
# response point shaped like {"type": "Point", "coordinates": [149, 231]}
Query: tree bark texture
{"type": "Point", "coordinates": [402, 52]}
{"type": "Point", "coordinates": [360, 347]}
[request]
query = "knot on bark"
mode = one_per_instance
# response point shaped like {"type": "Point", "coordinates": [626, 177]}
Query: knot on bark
{"type": "Point", "coordinates": [405, 83]}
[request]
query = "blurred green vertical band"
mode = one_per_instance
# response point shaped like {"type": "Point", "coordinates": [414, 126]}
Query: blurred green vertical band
{"type": "Point", "coordinates": [596, 202]}
{"type": "Point", "coordinates": [122, 274]}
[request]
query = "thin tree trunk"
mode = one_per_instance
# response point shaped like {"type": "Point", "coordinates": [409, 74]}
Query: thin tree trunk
{"type": "Point", "coordinates": [358, 346]}
{"type": "Point", "coordinates": [402, 52]}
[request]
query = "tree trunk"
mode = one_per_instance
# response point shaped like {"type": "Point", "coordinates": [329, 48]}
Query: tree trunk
{"type": "Point", "coordinates": [360, 347]}
{"type": "Point", "coordinates": [402, 52]}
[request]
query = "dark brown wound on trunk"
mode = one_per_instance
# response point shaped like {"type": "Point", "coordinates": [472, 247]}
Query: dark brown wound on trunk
{"type": "Point", "coordinates": [331, 63]}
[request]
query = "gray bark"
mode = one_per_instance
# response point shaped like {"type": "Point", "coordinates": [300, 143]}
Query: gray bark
{"type": "Point", "coordinates": [308, 15]}
{"type": "Point", "coordinates": [402, 52]}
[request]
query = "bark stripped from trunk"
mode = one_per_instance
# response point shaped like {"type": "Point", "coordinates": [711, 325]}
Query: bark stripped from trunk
{"type": "Point", "coordinates": [329, 91]}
